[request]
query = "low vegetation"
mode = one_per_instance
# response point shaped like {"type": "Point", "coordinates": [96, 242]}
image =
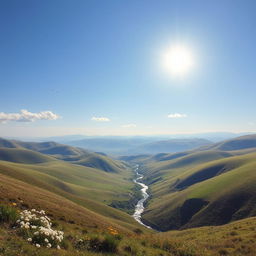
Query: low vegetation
{"type": "Point", "coordinates": [232, 239]}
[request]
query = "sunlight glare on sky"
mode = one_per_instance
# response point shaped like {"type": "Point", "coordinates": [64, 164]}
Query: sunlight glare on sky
{"type": "Point", "coordinates": [178, 60]}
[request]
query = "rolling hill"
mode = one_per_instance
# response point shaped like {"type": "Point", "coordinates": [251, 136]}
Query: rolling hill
{"type": "Point", "coordinates": [188, 189]}
{"type": "Point", "coordinates": [62, 152]}
{"type": "Point", "coordinates": [201, 187]}
{"type": "Point", "coordinates": [239, 143]}
{"type": "Point", "coordinates": [91, 180]}
{"type": "Point", "coordinates": [20, 155]}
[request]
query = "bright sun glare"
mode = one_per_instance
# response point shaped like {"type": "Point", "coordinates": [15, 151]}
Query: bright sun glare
{"type": "Point", "coordinates": [177, 60]}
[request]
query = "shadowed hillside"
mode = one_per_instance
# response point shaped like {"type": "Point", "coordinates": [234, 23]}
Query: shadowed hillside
{"type": "Point", "coordinates": [19, 155]}
{"type": "Point", "coordinates": [63, 152]}
{"type": "Point", "coordinates": [200, 188]}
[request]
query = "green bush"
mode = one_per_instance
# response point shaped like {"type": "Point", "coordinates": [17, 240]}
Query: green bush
{"type": "Point", "coordinates": [8, 214]}
{"type": "Point", "coordinates": [131, 248]}
{"type": "Point", "coordinates": [109, 244]}
{"type": "Point", "coordinates": [98, 243]}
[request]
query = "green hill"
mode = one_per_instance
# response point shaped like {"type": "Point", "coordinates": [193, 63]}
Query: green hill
{"type": "Point", "coordinates": [64, 152]}
{"type": "Point", "coordinates": [91, 180]}
{"type": "Point", "coordinates": [19, 155]}
{"type": "Point", "coordinates": [240, 143]}
{"type": "Point", "coordinates": [192, 194]}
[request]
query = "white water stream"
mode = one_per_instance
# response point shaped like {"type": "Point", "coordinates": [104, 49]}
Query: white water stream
{"type": "Point", "coordinates": [139, 208]}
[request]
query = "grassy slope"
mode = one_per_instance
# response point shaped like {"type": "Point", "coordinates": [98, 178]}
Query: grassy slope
{"type": "Point", "coordinates": [215, 187]}
{"type": "Point", "coordinates": [62, 152]}
{"type": "Point", "coordinates": [239, 143]}
{"type": "Point", "coordinates": [234, 239]}
{"type": "Point", "coordinates": [19, 155]}
{"type": "Point", "coordinates": [61, 208]}
{"type": "Point", "coordinates": [89, 187]}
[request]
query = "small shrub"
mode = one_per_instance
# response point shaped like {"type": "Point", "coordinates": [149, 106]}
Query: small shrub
{"type": "Point", "coordinates": [8, 214]}
{"type": "Point", "coordinates": [223, 252]}
{"type": "Point", "coordinates": [98, 243]}
{"type": "Point", "coordinates": [166, 246]}
{"type": "Point", "coordinates": [84, 231]}
{"type": "Point", "coordinates": [109, 244]}
{"type": "Point", "coordinates": [82, 244]}
{"type": "Point", "coordinates": [65, 244]}
{"type": "Point", "coordinates": [131, 249]}
{"type": "Point", "coordinates": [144, 242]}
{"type": "Point", "coordinates": [178, 249]}
{"type": "Point", "coordinates": [138, 231]}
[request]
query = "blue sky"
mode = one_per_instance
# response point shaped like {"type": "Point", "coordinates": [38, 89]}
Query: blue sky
{"type": "Point", "coordinates": [96, 66]}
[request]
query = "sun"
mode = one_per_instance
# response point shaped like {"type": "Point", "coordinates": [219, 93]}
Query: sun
{"type": "Point", "coordinates": [177, 60]}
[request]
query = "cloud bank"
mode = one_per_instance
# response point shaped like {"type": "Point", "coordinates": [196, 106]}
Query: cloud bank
{"type": "Point", "coordinates": [100, 119]}
{"type": "Point", "coordinates": [177, 115]}
{"type": "Point", "coordinates": [26, 116]}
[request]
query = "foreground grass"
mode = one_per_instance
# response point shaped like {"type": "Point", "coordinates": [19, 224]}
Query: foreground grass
{"type": "Point", "coordinates": [77, 241]}
{"type": "Point", "coordinates": [235, 239]}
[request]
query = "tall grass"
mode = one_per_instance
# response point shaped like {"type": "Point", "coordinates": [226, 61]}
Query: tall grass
{"type": "Point", "coordinates": [8, 214]}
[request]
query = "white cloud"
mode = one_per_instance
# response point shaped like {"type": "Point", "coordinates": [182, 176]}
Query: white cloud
{"type": "Point", "coordinates": [100, 119]}
{"type": "Point", "coordinates": [129, 125]}
{"type": "Point", "coordinates": [177, 115]}
{"type": "Point", "coordinates": [26, 116]}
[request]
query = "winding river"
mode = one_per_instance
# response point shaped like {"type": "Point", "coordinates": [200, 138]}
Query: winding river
{"type": "Point", "coordinates": [139, 208]}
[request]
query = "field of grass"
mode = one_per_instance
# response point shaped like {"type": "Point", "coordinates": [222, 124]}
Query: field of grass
{"type": "Point", "coordinates": [234, 239]}
{"type": "Point", "coordinates": [18, 155]}
{"type": "Point", "coordinates": [103, 238]}
{"type": "Point", "coordinates": [86, 186]}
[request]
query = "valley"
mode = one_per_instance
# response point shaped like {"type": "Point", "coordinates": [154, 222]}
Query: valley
{"type": "Point", "coordinates": [161, 201]}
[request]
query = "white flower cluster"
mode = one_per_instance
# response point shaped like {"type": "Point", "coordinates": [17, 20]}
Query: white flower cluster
{"type": "Point", "coordinates": [38, 229]}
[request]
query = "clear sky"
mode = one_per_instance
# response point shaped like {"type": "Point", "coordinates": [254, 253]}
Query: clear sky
{"type": "Point", "coordinates": [96, 67]}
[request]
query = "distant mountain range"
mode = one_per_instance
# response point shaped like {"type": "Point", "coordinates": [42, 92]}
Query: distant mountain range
{"type": "Point", "coordinates": [134, 145]}
{"type": "Point", "coordinates": [141, 145]}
